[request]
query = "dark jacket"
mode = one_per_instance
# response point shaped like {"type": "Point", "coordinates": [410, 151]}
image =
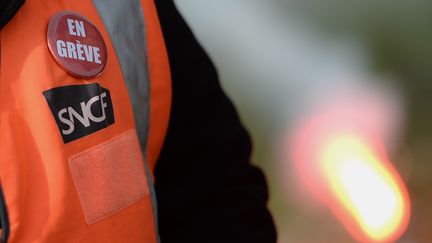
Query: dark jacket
{"type": "Point", "coordinates": [207, 189]}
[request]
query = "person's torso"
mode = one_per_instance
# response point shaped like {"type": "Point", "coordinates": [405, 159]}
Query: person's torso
{"type": "Point", "coordinates": [76, 155]}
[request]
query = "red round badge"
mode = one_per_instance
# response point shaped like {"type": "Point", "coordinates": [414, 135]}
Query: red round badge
{"type": "Point", "coordinates": [77, 45]}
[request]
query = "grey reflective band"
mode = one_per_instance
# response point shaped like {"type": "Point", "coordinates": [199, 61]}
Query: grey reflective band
{"type": "Point", "coordinates": [124, 21]}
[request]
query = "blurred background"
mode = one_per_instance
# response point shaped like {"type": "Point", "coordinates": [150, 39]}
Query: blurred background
{"type": "Point", "coordinates": [278, 59]}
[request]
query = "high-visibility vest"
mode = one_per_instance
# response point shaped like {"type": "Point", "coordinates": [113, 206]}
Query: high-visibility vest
{"type": "Point", "coordinates": [77, 154]}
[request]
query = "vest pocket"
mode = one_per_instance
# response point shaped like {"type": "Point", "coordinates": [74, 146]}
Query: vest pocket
{"type": "Point", "coordinates": [4, 222]}
{"type": "Point", "coordinates": [109, 177]}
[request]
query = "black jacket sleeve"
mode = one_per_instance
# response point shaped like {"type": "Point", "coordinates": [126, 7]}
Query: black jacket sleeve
{"type": "Point", "coordinates": [8, 8]}
{"type": "Point", "coordinates": [206, 187]}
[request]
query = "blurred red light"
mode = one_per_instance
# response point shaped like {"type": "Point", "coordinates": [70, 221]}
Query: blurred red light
{"type": "Point", "coordinates": [344, 164]}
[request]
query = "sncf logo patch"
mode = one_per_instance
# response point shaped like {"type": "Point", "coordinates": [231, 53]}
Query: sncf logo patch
{"type": "Point", "coordinates": [80, 110]}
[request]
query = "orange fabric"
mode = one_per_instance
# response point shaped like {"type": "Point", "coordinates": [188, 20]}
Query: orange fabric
{"type": "Point", "coordinates": [109, 177]}
{"type": "Point", "coordinates": [42, 201]}
{"type": "Point", "coordinates": [160, 87]}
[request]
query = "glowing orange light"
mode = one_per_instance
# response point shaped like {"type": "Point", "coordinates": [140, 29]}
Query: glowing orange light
{"type": "Point", "coordinates": [338, 155]}
{"type": "Point", "coordinates": [348, 171]}
{"type": "Point", "coordinates": [368, 195]}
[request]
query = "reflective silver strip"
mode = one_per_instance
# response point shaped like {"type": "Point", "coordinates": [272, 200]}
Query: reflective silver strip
{"type": "Point", "coordinates": [124, 21]}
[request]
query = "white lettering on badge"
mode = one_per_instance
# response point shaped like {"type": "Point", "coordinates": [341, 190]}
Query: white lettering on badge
{"type": "Point", "coordinates": [76, 28]}
{"type": "Point", "coordinates": [78, 51]}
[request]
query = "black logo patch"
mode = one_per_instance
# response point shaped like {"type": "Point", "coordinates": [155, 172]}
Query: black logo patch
{"type": "Point", "coordinates": [80, 110]}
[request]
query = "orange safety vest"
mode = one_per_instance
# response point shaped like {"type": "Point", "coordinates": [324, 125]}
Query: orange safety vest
{"type": "Point", "coordinates": [77, 155]}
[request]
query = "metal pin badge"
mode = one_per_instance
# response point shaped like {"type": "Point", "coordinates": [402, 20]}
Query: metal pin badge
{"type": "Point", "coordinates": [76, 45]}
